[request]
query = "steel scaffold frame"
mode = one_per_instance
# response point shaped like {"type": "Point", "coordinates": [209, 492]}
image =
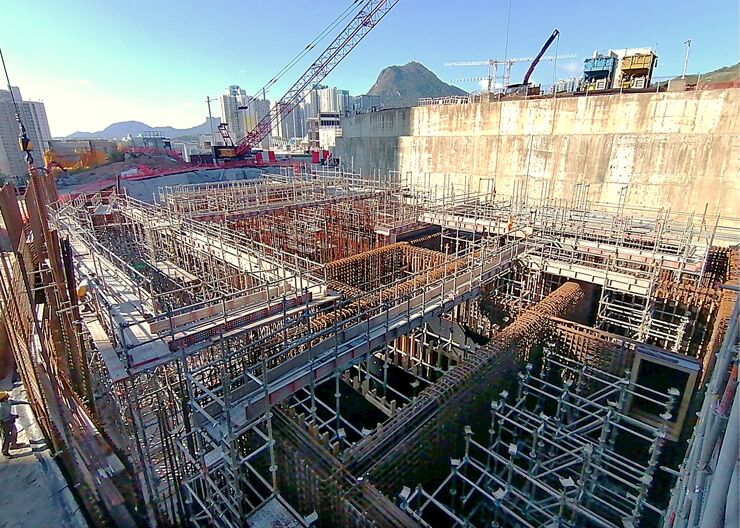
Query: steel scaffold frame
{"type": "Point", "coordinates": [197, 257]}
{"type": "Point", "coordinates": [550, 458]}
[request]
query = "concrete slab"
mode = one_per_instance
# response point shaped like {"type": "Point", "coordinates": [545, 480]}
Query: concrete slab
{"type": "Point", "coordinates": [34, 491]}
{"type": "Point", "coordinates": [146, 189]}
{"type": "Point", "coordinates": [274, 514]}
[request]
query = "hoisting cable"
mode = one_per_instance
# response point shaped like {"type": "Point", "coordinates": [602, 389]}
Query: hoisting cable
{"type": "Point", "coordinates": [23, 142]}
{"type": "Point", "coordinates": [309, 47]}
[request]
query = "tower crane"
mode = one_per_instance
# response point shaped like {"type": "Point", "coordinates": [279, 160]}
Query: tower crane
{"type": "Point", "coordinates": [505, 64]}
{"type": "Point", "coordinates": [370, 14]}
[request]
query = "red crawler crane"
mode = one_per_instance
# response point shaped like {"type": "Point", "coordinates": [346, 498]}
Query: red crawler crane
{"type": "Point", "coordinates": [371, 12]}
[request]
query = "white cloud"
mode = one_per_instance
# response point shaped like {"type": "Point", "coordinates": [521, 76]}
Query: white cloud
{"type": "Point", "coordinates": [484, 84]}
{"type": "Point", "coordinates": [571, 67]}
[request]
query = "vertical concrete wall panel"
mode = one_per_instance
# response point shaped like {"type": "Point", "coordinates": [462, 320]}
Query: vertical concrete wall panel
{"type": "Point", "coordinates": [678, 150]}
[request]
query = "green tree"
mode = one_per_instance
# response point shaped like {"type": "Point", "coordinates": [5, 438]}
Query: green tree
{"type": "Point", "coordinates": [116, 155]}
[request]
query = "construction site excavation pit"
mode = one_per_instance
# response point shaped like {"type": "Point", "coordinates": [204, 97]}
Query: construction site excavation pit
{"type": "Point", "coordinates": [363, 351]}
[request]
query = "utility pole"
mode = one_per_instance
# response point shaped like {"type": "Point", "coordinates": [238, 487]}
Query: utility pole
{"type": "Point", "coordinates": [686, 59]}
{"type": "Point", "coordinates": [210, 122]}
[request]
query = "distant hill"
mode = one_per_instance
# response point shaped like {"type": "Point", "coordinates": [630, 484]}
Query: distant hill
{"type": "Point", "coordinates": [726, 74]}
{"type": "Point", "coordinates": [133, 128]}
{"type": "Point", "coordinates": [401, 86]}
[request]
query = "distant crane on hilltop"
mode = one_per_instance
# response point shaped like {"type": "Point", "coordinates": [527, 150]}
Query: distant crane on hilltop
{"type": "Point", "coordinates": [493, 69]}
{"type": "Point", "coordinates": [506, 64]}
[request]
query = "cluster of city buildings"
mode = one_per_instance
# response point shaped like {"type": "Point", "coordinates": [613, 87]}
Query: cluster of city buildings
{"type": "Point", "coordinates": [71, 154]}
{"type": "Point", "coordinates": [313, 124]}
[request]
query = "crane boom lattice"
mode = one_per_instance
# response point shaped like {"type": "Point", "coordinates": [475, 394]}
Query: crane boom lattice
{"type": "Point", "coordinates": [363, 22]}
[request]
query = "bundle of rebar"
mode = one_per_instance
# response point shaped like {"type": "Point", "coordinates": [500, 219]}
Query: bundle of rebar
{"type": "Point", "coordinates": [368, 304]}
{"type": "Point", "coordinates": [365, 269]}
{"type": "Point", "coordinates": [685, 293]}
{"type": "Point", "coordinates": [727, 302]}
{"type": "Point", "coordinates": [425, 241]}
{"type": "Point", "coordinates": [318, 482]}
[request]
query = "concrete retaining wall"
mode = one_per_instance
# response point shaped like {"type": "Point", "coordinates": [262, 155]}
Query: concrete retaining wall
{"type": "Point", "coordinates": [672, 149]}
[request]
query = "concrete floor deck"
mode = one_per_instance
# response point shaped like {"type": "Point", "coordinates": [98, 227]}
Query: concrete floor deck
{"type": "Point", "coordinates": [34, 491]}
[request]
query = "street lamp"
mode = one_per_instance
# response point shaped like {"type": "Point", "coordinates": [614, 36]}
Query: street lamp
{"type": "Point", "coordinates": [210, 122]}
{"type": "Point", "coordinates": [686, 59]}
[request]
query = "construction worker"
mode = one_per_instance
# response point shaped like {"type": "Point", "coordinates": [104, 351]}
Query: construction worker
{"type": "Point", "coordinates": [82, 289]}
{"type": "Point", "coordinates": [7, 422]}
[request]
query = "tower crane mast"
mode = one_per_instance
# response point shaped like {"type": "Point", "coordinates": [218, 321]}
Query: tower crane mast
{"type": "Point", "coordinates": [369, 15]}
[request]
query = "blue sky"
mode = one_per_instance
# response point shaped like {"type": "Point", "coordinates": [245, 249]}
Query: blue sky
{"type": "Point", "coordinates": [94, 62]}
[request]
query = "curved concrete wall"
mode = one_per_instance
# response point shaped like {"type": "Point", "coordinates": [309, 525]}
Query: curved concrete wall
{"type": "Point", "coordinates": [671, 149]}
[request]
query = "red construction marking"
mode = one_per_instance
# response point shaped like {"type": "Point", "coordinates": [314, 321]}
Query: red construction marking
{"type": "Point", "coordinates": [87, 188]}
{"type": "Point", "coordinates": [145, 362]}
{"type": "Point", "coordinates": [153, 151]}
{"type": "Point", "coordinates": [271, 156]}
{"type": "Point", "coordinates": [719, 85]}
{"type": "Point", "coordinates": [315, 157]}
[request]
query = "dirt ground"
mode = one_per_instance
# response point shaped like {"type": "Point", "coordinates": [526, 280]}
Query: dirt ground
{"type": "Point", "coordinates": [110, 171]}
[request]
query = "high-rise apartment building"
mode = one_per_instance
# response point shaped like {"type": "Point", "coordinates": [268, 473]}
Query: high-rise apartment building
{"type": "Point", "coordinates": [33, 115]}
{"type": "Point", "coordinates": [334, 100]}
{"type": "Point", "coordinates": [242, 121]}
{"type": "Point", "coordinates": [253, 114]}
{"type": "Point", "coordinates": [282, 128]}
{"type": "Point", "coordinates": [231, 100]}
{"type": "Point", "coordinates": [296, 123]}
{"type": "Point", "coordinates": [305, 117]}
{"type": "Point", "coordinates": [311, 104]}
{"type": "Point", "coordinates": [319, 101]}
{"type": "Point", "coordinates": [255, 111]}
{"type": "Point", "coordinates": [367, 102]}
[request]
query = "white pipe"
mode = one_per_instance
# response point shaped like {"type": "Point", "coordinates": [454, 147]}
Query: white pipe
{"type": "Point", "coordinates": [732, 510]}
{"type": "Point", "coordinates": [718, 497]}
{"type": "Point", "coordinates": [686, 494]}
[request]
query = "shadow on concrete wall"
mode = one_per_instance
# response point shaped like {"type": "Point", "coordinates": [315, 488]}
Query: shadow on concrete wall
{"type": "Point", "coordinates": [370, 143]}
